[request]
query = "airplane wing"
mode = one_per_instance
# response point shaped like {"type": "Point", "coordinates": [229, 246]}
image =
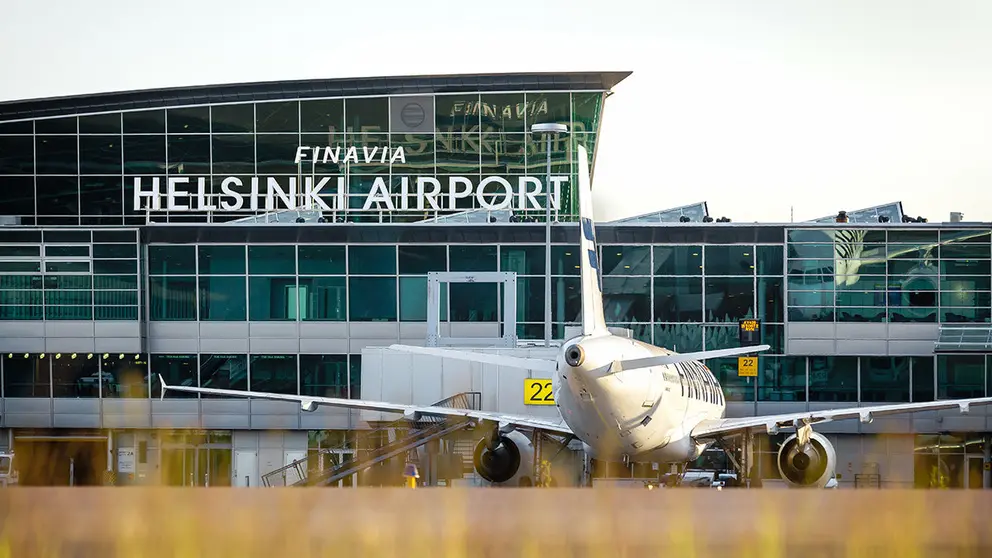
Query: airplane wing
{"type": "Point", "coordinates": [711, 428]}
{"type": "Point", "coordinates": [309, 403]}
{"type": "Point", "coordinates": [647, 362]}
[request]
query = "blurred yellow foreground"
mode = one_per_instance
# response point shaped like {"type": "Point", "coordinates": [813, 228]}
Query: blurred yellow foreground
{"type": "Point", "coordinates": [453, 522]}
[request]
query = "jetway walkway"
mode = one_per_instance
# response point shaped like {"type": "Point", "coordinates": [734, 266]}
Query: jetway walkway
{"type": "Point", "coordinates": [404, 434]}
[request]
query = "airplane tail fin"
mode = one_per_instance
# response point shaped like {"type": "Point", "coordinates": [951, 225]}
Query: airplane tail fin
{"type": "Point", "coordinates": [593, 320]}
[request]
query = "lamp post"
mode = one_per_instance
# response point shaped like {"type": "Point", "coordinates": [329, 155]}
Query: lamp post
{"type": "Point", "coordinates": [548, 129]}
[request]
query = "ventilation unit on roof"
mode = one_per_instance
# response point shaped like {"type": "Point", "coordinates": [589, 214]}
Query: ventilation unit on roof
{"type": "Point", "coordinates": [956, 216]}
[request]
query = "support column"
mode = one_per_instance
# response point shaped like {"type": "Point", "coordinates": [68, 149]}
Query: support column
{"type": "Point", "coordinates": [987, 458]}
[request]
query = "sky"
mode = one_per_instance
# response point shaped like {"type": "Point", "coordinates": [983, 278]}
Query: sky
{"type": "Point", "coordinates": [769, 110]}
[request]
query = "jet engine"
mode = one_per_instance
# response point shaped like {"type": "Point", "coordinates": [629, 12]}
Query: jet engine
{"type": "Point", "coordinates": [505, 459]}
{"type": "Point", "coordinates": [807, 467]}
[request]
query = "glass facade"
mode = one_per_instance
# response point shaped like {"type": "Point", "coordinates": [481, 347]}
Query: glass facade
{"type": "Point", "coordinates": [82, 169]}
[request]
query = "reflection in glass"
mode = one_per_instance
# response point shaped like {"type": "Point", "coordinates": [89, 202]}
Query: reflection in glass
{"type": "Point", "coordinates": [127, 374]}
{"type": "Point", "coordinates": [885, 379]}
{"type": "Point", "coordinates": [272, 260]}
{"type": "Point", "coordinates": [681, 338]}
{"type": "Point", "coordinates": [75, 375]}
{"type": "Point", "coordinates": [177, 370]}
{"type": "Point", "coordinates": [781, 378]}
{"type": "Point", "coordinates": [678, 260]}
{"type": "Point", "coordinates": [321, 259]}
{"type": "Point", "coordinates": [223, 372]}
{"type": "Point", "coordinates": [472, 258]}
{"type": "Point", "coordinates": [960, 376]}
{"type": "Point", "coordinates": [323, 298]}
{"type": "Point", "coordinates": [833, 379]}
{"type": "Point", "coordinates": [172, 298]}
{"type": "Point", "coordinates": [272, 298]}
{"type": "Point", "coordinates": [626, 260]}
{"type": "Point", "coordinates": [26, 375]}
{"type": "Point", "coordinates": [923, 378]}
{"type": "Point", "coordinates": [678, 299]}
{"type": "Point", "coordinates": [474, 302]}
{"type": "Point", "coordinates": [324, 375]}
{"type": "Point", "coordinates": [222, 298]}
{"type": "Point", "coordinates": [627, 299]}
{"type": "Point", "coordinates": [372, 299]}
{"type": "Point", "coordinates": [273, 374]}
{"type": "Point", "coordinates": [188, 120]}
{"type": "Point", "coordinates": [729, 298]}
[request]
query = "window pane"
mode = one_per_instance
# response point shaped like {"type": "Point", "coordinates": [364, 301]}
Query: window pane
{"type": "Point", "coordinates": [524, 260]}
{"type": "Point", "coordinates": [233, 118]}
{"type": "Point", "coordinates": [372, 299]}
{"type": "Point", "coordinates": [370, 114]}
{"type": "Point", "coordinates": [355, 376]}
{"type": "Point", "coordinates": [417, 260]}
{"type": "Point", "coordinates": [223, 372]}
{"type": "Point", "coordinates": [58, 195]}
{"type": "Point", "coordinates": [771, 299]}
{"type": "Point", "coordinates": [923, 381]}
{"type": "Point", "coordinates": [17, 195]}
{"type": "Point", "coordinates": [729, 299]}
{"type": "Point", "coordinates": [413, 299]}
{"type": "Point", "coordinates": [171, 260]}
{"type": "Point", "coordinates": [324, 375]}
{"type": "Point", "coordinates": [627, 299]}
{"type": "Point", "coordinates": [885, 379]}
{"type": "Point", "coordinates": [781, 378]}
{"type": "Point", "coordinates": [277, 155]}
{"type": "Point", "coordinates": [189, 155]}
{"type": "Point", "coordinates": [127, 375]}
{"type": "Point", "coordinates": [564, 260]}
{"type": "Point", "coordinates": [730, 260]}
{"type": "Point", "coordinates": [626, 260]}
{"type": "Point", "coordinates": [173, 298]}
{"type": "Point", "coordinates": [681, 338]}
{"type": "Point", "coordinates": [233, 154]}
{"type": "Point", "coordinates": [566, 299]}
{"type": "Point", "coordinates": [530, 299]}
{"type": "Point", "coordinates": [222, 260]}
{"type": "Point", "coordinates": [144, 122]}
{"type": "Point", "coordinates": [323, 299]}
{"type": "Point", "coordinates": [586, 108]}
{"type": "Point", "coordinates": [272, 260]}
{"type": "Point", "coordinates": [66, 125]}
{"type": "Point", "coordinates": [325, 115]}
{"type": "Point", "coordinates": [769, 260]}
{"type": "Point", "coordinates": [322, 260]}
{"type": "Point", "coordinates": [222, 298]}
{"type": "Point", "coordinates": [100, 124]}
{"type": "Point", "coordinates": [189, 120]}
{"type": "Point", "coordinates": [371, 260]}
{"type": "Point", "coordinates": [144, 155]}
{"type": "Point", "coordinates": [960, 376]}
{"type": "Point", "coordinates": [833, 379]}
{"type": "Point", "coordinates": [177, 370]}
{"type": "Point", "coordinates": [735, 387]}
{"type": "Point", "coordinates": [272, 298]}
{"type": "Point", "coordinates": [273, 373]}
{"type": "Point", "coordinates": [474, 302]}
{"type": "Point", "coordinates": [281, 116]}
{"type": "Point", "coordinates": [678, 299]}
{"type": "Point", "coordinates": [678, 260]}
{"type": "Point", "coordinates": [75, 375]}
{"type": "Point", "coordinates": [16, 155]}
{"type": "Point", "coordinates": [472, 258]}
{"type": "Point", "coordinates": [26, 375]}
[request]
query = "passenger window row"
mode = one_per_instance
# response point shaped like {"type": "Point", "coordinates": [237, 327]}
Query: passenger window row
{"type": "Point", "coordinates": [698, 382]}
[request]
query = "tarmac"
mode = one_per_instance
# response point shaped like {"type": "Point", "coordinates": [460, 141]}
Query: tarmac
{"type": "Point", "coordinates": [491, 522]}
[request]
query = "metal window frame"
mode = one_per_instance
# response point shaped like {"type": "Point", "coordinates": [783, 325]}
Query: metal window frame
{"type": "Point", "coordinates": [506, 278]}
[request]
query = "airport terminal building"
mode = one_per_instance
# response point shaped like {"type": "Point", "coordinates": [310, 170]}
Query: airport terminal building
{"type": "Point", "coordinates": [272, 236]}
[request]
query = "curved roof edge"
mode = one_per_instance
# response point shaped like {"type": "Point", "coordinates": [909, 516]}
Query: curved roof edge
{"type": "Point", "coordinates": [260, 91]}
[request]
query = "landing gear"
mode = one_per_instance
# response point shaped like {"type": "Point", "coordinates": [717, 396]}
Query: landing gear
{"type": "Point", "coordinates": [739, 449]}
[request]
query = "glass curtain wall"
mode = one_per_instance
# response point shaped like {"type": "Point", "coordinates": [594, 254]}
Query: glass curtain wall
{"type": "Point", "coordinates": [76, 170]}
{"type": "Point", "coordinates": [897, 276]}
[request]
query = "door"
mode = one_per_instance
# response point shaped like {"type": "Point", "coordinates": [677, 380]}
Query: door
{"type": "Point", "coordinates": [975, 474]}
{"type": "Point", "coordinates": [292, 474]}
{"type": "Point", "coordinates": [245, 463]}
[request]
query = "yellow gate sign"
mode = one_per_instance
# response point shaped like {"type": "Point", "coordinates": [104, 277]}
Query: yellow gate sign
{"type": "Point", "coordinates": [747, 366]}
{"type": "Point", "coordinates": [537, 391]}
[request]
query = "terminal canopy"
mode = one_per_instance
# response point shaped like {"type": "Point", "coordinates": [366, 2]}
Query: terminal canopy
{"type": "Point", "coordinates": [964, 338]}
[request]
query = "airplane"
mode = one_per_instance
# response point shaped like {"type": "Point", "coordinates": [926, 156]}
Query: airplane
{"type": "Point", "coordinates": [624, 399]}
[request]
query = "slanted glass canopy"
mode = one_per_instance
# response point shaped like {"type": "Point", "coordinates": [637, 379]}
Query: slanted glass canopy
{"type": "Point", "coordinates": [964, 338]}
{"type": "Point", "coordinates": [695, 212]}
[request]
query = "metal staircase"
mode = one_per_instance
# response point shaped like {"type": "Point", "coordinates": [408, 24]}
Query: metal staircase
{"type": "Point", "coordinates": [403, 434]}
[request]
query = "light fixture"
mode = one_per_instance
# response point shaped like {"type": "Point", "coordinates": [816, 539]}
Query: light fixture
{"type": "Point", "coordinates": [106, 356]}
{"type": "Point", "coordinates": [42, 355]}
{"type": "Point", "coordinates": [73, 355]}
{"type": "Point", "coordinates": [121, 356]}
{"type": "Point", "coordinates": [89, 356]}
{"type": "Point", "coordinates": [58, 355]}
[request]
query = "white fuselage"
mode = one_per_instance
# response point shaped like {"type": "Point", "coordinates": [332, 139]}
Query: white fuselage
{"type": "Point", "coordinates": [643, 414]}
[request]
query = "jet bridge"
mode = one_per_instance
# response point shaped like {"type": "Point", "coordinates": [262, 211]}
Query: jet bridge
{"type": "Point", "coordinates": [405, 435]}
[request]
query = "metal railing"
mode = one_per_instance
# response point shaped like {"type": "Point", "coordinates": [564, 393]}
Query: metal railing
{"type": "Point", "coordinates": [299, 472]}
